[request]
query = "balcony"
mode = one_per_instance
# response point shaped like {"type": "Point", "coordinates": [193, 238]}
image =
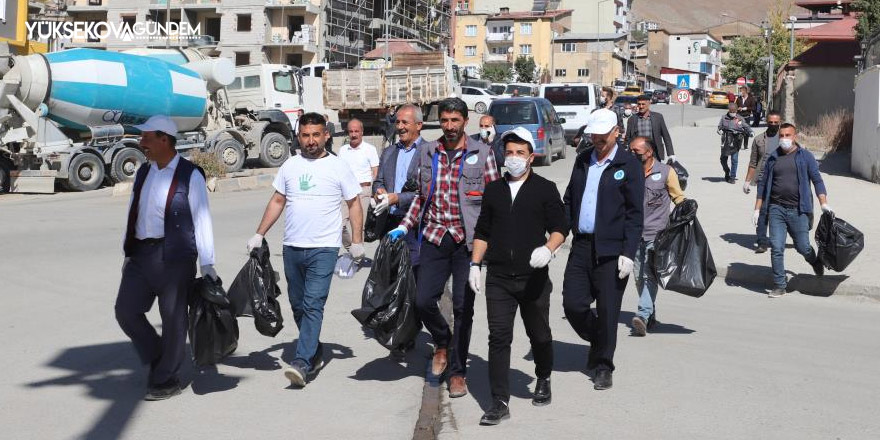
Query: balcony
{"type": "Point", "coordinates": [495, 58]}
{"type": "Point", "coordinates": [304, 38]}
{"type": "Point", "coordinates": [186, 4]}
{"type": "Point", "coordinates": [499, 37]}
{"type": "Point", "coordinates": [305, 5]}
{"type": "Point", "coordinates": [85, 5]}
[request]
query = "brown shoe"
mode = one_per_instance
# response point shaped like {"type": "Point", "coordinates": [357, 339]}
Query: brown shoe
{"type": "Point", "coordinates": [457, 386]}
{"type": "Point", "coordinates": [438, 364]}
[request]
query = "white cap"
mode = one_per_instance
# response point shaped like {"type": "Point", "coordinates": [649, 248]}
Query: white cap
{"type": "Point", "coordinates": [159, 123]}
{"type": "Point", "coordinates": [521, 133]}
{"type": "Point", "coordinates": [601, 122]}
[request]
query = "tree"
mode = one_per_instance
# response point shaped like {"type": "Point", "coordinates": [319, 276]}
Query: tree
{"type": "Point", "coordinates": [525, 69]}
{"type": "Point", "coordinates": [869, 17]}
{"type": "Point", "coordinates": [496, 72]}
{"type": "Point", "coordinates": [744, 53]}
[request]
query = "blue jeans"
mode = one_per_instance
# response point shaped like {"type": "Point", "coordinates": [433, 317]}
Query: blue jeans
{"type": "Point", "coordinates": [784, 222]}
{"type": "Point", "coordinates": [761, 229]}
{"type": "Point", "coordinates": [646, 284]}
{"type": "Point", "coordinates": [734, 164]}
{"type": "Point", "coordinates": [308, 272]}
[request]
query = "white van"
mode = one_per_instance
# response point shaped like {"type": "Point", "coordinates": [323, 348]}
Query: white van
{"type": "Point", "coordinates": [573, 102]}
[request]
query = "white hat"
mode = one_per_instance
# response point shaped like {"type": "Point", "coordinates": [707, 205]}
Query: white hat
{"type": "Point", "coordinates": [601, 122]}
{"type": "Point", "coordinates": [159, 123]}
{"type": "Point", "coordinates": [521, 133]}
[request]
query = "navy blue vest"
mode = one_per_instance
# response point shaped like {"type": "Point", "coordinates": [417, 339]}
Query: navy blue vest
{"type": "Point", "coordinates": [180, 237]}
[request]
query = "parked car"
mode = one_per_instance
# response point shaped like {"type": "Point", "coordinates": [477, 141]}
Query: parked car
{"type": "Point", "coordinates": [524, 89]}
{"type": "Point", "coordinates": [660, 96]}
{"type": "Point", "coordinates": [538, 116]}
{"type": "Point", "coordinates": [718, 99]}
{"type": "Point", "coordinates": [497, 88]}
{"type": "Point", "coordinates": [477, 99]}
{"type": "Point", "coordinates": [574, 102]}
{"type": "Point", "coordinates": [632, 91]}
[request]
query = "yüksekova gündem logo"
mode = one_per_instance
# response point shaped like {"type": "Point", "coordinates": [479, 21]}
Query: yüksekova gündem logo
{"type": "Point", "coordinates": [95, 30]}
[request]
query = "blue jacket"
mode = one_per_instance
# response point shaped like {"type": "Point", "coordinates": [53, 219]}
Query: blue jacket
{"type": "Point", "coordinates": [387, 171]}
{"type": "Point", "coordinates": [807, 171]}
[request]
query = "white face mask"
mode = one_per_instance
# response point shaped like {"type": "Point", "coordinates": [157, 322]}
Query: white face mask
{"type": "Point", "coordinates": [731, 114]}
{"type": "Point", "coordinates": [487, 133]}
{"type": "Point", "coordinates": [628, 112]}
{"type": "Point", "coordinates": [516, 166]}
{"type": "Point", "coordinates": [787, 144]}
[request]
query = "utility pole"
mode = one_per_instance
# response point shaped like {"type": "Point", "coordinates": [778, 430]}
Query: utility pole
{"type": "Point", "coordinates": [791, 21]}
{"type": "Point", "coordinates": [387, 3]}
{"type": "Point", "coordinates": [768, 32]}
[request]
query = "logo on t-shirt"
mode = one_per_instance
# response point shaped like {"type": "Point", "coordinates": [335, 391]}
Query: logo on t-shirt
{"type": "Point", "coordinates": [305, 182]}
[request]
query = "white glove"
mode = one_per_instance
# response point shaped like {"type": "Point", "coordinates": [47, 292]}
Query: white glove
{"type": "Point", "coordinates": [827, 209]}
{"type": "Point", "coordinates": [624, 266]}
{"type": "Point", "coordinates": [254, 242]}
{"type": "Point", "coordinates": [755, 216]}
{"type": "Point", "coordinates": [540, 257]}
{"type": "Point", "coordinates": [356, 250]}
{"type": "Point", "coordinates": [670, 159]}
{"type": "Point", "coordinates": [747, 187]}
{"type": "Point", "coordinates": [381, 205]}
{"type": "Point", "coordinates": [474, 278]}
{"type": "Point", "coordinates": [209, 272]}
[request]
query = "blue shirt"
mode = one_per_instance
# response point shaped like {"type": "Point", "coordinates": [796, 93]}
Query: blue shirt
{"type": "Point", "coordinates": [404, 158]}
{"type": "Point", "coordinates": [587, 218]}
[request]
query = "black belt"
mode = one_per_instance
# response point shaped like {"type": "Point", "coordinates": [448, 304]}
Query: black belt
{"type": "Point", "coordinates": [149, 241]}
{"type": "Point", "coordinates": [588, 237]}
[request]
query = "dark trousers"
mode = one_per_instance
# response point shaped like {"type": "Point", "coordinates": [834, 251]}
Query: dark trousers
{"type": "Point", "coordinates": [437, 264]}
{"type": "Point", "coordinates": [589, 278]}
{"type": "Point", "coordinates": [146, 276]}
{"type": "Point", "coordinates": [531, 293]}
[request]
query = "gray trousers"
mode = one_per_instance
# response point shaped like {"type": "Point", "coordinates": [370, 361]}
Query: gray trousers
{"type": "Point", "coordinates": [145, 277]}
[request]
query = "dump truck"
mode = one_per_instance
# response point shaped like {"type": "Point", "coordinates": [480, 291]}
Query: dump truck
{"type": "Point", "coordinates": [66, 117]}
{"type": "Point", "coordinates": [420, 78]}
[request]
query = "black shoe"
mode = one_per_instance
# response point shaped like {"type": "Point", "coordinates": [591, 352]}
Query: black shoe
{"type": "Point", "coordinates": [542, 392]}
{"type": "Point", "coordinates": [496, 414]}
{"type": "Point", "coordinates": [761, 249]}
{"type": "Point", "coordinates": [776, 292]}
{"type": "Point", "coordinates": [602, 381]}
{"type": "Point", "coordinates": [818, 267]}
{"type": "Point", "coordinates": [652, 320]}
{"type": "Point", "coordinates": [163, 391]}
{"type": "Point", "coordinates": [639, 326]}
{"type": "Point", "coordinates": [317, 360]}
{"type": "Point", "coordinates": [296, 373]}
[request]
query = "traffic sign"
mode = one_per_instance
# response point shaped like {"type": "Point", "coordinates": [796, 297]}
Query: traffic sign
{"type": "Point", "coordinates": [683, 82]}
{"type": "Point", "coordinates": [741, 81]}
{"type": "Point", "coordinates": [683, 96]}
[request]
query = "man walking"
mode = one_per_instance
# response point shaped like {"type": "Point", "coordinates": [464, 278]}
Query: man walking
{"type": "Point", "coordinates": [651, 125]}
{"type": "Point", "coordinates": [735, 132]}
{"type": "Point", "coordinates": [309, 187]}
{"type": "Point", "coordinates": [488, 136]}
{"type": "Point", "coordinates": [661, 188]}
{"type": "Point", "coordinates": [169, 226]}
{"type": "Point", "coordinates": [763, 145]}
{"type": "Point", "coordinates": [604, 202]}
{"type": "Point", "coordinates": [453, 175]}
{"type": "Point", "coordinates": [516, 217]}
{"type": "Point", "coordinates": [785, 189]}
{"type": "Point", "coordinates": [745, 103]}
{"type": "Point", "coordinates": [363, 160]}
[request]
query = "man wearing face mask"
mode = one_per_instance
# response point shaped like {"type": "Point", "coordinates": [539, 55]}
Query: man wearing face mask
{"type": "Point", "coordinates": [735, 132]}
{"type": "Point", "coordinates": [785, 191]}
{"type": "Point", "coordinates": [763, 145]}
{"type": "Point", "coordinates": [516, 216]}
{"type": "Point", "coordinates": [488, 136]}
{"type": "Point", "coordinates": [604, 204]}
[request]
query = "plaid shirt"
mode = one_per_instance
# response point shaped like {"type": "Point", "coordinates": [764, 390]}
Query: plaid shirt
{"type": "Point", "coordinates": [444, 214]}
{"type": "Point", "coordinates": [643, 127]}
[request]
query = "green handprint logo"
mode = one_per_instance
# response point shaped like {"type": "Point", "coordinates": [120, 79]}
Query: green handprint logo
{"type": "Point", "coordinates": [305, 182]}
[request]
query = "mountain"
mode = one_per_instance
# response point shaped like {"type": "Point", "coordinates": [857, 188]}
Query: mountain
{"type": "Point", "coordinates": [692, 15]}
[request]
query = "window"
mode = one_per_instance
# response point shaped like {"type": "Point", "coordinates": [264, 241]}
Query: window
{"type": "Point", "coordinates": [469, 91]}
{"type": "Point", "coordinates": [568, 95]}
{"type": "Point", "coordinates": [283, 82]}
{"type": "Point", "coordinates": [583, 72]}
{"type": "Point", "coordinates": [525, 49]}
{"type": "Point", "coordinates": [569, 47]}
{"type": "Point", "coordinates": [243, 23]}
{"type": "Point", "coordinates": [252, 82]}
{"type": "Point", "coordinates": [514, 113]}
{"type": "Point", "coordinates": [242, 58]}
{"type": "Point", "coordinates": [470, 30]}
{"type": "Point", "coordinates": [503, 50]}
{"type": "Point", "coordinates": [236, 85]}
{"type": "Point", "coordinates": [561, 72]}
{"type": "Point", "coordinates": [501, 29]}
{"type": "Point", "coordinates": [525, 28]}
{"type": "Point", "coordinates": [470, 51]}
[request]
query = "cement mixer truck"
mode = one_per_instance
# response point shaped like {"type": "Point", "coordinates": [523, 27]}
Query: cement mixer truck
{"type": "Point", "coordinates": [65, 117]}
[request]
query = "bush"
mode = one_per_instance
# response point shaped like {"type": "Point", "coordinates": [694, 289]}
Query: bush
{"type": "Point", "coordinates": [212, 164]}
{"type": "Point", "coordinates": [835, 129]}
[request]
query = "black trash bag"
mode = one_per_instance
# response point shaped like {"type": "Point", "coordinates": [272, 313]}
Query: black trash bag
{"type": "Point", "coordinates": [682, 174]}
{"type": "Point", "coordinates": [839, 242]}
{"type": "Point", "coordinates": [374, 225]}
{"type": "Point", "coordinates": [254, 292]}
{"type": "Point", "coordinates": [389, 297]}
{"type": "Point", "coordinates": [682, 260]}
{"type": "Point", "coordinates": [213, 330]}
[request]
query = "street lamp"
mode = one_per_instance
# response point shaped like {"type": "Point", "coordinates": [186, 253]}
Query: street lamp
{"type": "Point", "coordinates": [598, 41]}
{"type": "Point", "coordinates": [791, 21]}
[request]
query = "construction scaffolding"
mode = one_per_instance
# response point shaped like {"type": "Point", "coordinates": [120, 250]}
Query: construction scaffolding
{"type": "Point", "coordinates": [424, 20]}
{"type": "Point", "coordinates": [350, 30]}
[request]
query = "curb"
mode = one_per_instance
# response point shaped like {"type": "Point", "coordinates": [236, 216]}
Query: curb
{"type": "Point", "coordinates": [241, 181]}
{"type": "Point", "coordinates": [738, 274]}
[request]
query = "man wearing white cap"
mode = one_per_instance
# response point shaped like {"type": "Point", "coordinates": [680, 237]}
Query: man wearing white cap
{"type": "Point", "coordinates": [604, 202]}
{"type": "Point", "coordinates": [521, 224]}
{"type": "Point", "coordinates": [169, 226]}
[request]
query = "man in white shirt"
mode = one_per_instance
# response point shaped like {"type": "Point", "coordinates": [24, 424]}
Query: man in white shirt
{"type": "Point", "coordinates": [169, 225]}
{"type": "Point", "coordinates": [363, 160]}
{"type": "Point", "coordinates": [309, 187]}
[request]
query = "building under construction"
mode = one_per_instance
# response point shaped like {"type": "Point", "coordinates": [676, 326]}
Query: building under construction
{"type": "Point", "coordinates": [354, 26]}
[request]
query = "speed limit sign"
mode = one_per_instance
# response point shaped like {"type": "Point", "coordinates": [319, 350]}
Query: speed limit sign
{"type": "Point", "coordinates": [683, 96]}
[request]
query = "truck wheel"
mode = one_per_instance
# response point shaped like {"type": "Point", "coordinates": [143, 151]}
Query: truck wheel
{"type": "Point", "coordinates": [274, 150]}
{"type": "Point", "coordinates": [125, 164]}
{"type": "Point", "coordinates": [231, 154]}
{"type": "Point", "coordinates": [547, 160]}
{"type": "Point", "coordinates": [480, 107]}
{"type": "Point", "coordinates": [86, 173]}
{"type": "Point", "coordinates": [5, 176]}
{"type": "Point", "coordinates": [562, 151]}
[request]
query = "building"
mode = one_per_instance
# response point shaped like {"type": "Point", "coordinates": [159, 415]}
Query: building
{"type": "Point", "coordinates": [588, 16]}
{"type": "Point", "coordinates": [865, 158]}
{"type": "Point", "coordinates": [591, 58]}
{"type": "Point", "coordinates": [13, 31]}
{"type": "Point", "coordinates": [696, 55]}
{"type": "Point", "coordinates": [502, 37]}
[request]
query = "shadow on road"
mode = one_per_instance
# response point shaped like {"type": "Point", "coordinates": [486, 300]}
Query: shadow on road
{"type": "Point", "coordinates": [714, 179]}
{"type": "Point", "coordinates": [837, 164]}
{"type": "Point", "coordinates": [760, 279]}
{"type": "Point", "coordinates": [758, 276]}
{"type": "Point", "coordinates": [390, 368]}
{"type": "Point", "coordinates": [659, 327]}
{"type": "Point", "coordinates": [745, 240]}
{"type": "Point", "coordinates": [809, 284]}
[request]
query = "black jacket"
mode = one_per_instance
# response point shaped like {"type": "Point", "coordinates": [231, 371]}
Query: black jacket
{"type": "Point", "coordinates": [513, 232]}
{"type": "Point", "coordinates": [659, 133]}
{"type": "Point", "coordinates": [619, 210]}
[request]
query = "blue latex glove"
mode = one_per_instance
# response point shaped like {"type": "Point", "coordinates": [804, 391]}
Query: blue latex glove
{"type": "Point", "coordinates": [397, 232]}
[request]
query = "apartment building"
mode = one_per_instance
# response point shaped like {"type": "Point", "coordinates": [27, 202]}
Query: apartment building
{"type": "Point", "coordinates": [590, 58]}
{"type": "Point", "coordinates": [587, 16]}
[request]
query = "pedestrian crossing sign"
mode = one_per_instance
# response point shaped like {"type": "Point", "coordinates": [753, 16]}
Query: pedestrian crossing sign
{"type": "Point", "coordinates": [683, 82]}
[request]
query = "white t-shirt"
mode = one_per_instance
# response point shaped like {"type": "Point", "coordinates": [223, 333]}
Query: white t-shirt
{"type": "Point", "coordinates": [361, 160]}
{"type": "Point", "coordinates": [514, 188]}
{"type": "Point", "coordinates": [313, 189]}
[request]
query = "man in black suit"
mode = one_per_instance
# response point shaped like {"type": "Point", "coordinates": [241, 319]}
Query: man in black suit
{"type": "Point", "coordinates": [651, 125]}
